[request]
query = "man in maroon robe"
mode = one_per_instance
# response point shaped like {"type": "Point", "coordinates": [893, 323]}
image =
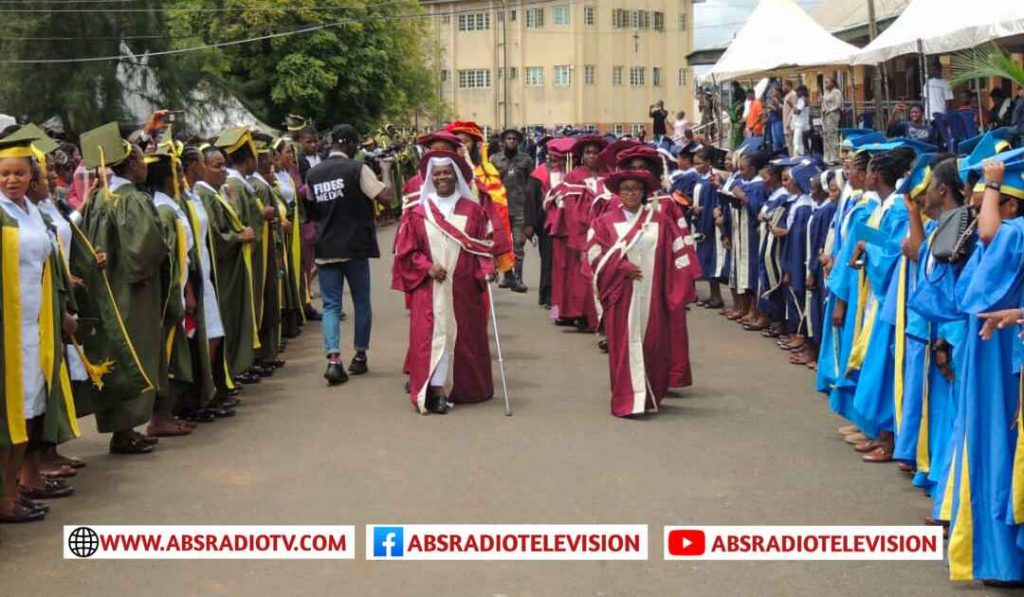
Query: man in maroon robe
{"type": "Point", "coordinates": [443, 263]}
{"type": "Point", "coordinates": [642, 273]}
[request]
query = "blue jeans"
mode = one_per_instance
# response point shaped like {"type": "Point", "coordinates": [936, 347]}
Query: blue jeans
{"type": "Point", "coordinates": [332, 285]}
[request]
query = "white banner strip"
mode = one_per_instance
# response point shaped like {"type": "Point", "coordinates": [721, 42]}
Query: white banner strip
{"type": "Point", "coordinates": [506, 542]}
{"type": "Point", "coordinates": [184, 542]}
{"type": "Point", "coordinates": [803, 543]}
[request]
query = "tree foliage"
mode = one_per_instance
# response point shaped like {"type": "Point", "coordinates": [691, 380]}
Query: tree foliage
{"type": "Point", "coordinates": [365, 62]}
{"type": "Point", "coordinates": [84, 94]}
{"type": "Point", "coordinates": [358, 61]}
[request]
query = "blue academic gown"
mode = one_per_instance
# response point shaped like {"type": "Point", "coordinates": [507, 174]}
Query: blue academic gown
{"type": "Point", "coordinates": [747, 219]}
{"type": "Point", "coordinates": [702, 194]}
{"type": "Point", "coordinates": [873, 401]}
{"type": "Point", "coordinates": [984, 541]}
{"type": "Point", "coordinates": [933, 315]}
{"type": "Point", "coordinates": [817, 232]}
{"type": "Point", "coordinates": [794, 261]}
{"type": "Point", "coordinates": [843, 284]}
{"type": "Point", "coordinates": [770, 299]}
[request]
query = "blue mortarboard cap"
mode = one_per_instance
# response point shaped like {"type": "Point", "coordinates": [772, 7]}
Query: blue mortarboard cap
{"type": "Point", "coordinates": [857, 141]}
{"type": "Point", "coordinates": [1013, 180]}
{"type": "Point", "coordinates": [892, 144]}
{"type": "Point", "coordinates": [802, 174]}
{"type": "Point", "coordinates": [750, 144]}
{"type": "Point", "coordinates": [846, 133]}
{"type": "Point", "coordinates": [991, 143]}
{"type": "Point", "coordinates": [916, 182]}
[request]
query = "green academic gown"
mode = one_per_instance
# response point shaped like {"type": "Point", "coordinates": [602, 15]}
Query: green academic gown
{"type": "Point", "coordinates": [270, 323]}
{"type": "Point", "coordinates": [125, 225]}
{"type": "Point", "coordinates": [176, 361]}
{"type": "Point", "coordinates": [233, 277]}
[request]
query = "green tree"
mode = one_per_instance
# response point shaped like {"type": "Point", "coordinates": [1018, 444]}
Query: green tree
{"type": "Point", "coordinates": [86, 94]}
{"type": "Point", "coordinates": [358, 61]}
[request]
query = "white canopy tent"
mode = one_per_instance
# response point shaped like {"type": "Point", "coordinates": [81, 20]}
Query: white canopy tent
{"type": "Point", "coordinates": [779, 35]}
{"type": "Point", "coordinates": [941, 26]}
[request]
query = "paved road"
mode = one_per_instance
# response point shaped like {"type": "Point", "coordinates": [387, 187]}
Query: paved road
{"type": "Point", "coordinates": [750, 443]}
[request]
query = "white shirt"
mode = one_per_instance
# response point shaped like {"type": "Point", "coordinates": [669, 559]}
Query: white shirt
{"type": "Point", "coordinates": [679, 128]}
{"type": "Point", "coordinates": [115, 182]}
{"type": "Point", "coordinates": [286, 186]}
{"type": "Point", "coordinates": [48, 207]}
{"type": "Point", "coordinates": [801, 115]}
{"type": "Point", "coordinates": [445, 204]}
{"type": "Point", "coordinates": [938, 92]}
{"type": "Point", "coordinates": [34, 247]}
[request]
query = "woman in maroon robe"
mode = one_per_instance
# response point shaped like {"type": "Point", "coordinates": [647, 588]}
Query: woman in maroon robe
{"type": "Point", "coordinates": [642, 273]}
{"type": "Point", "coordinates": [643, 157]}
{"type": "Point", "coordinates": [443, 262]}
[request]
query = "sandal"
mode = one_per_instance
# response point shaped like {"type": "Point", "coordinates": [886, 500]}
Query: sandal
{"type": "Point", "coordinates": [812, 365]}
{"type": "Point", "coordinates": [56, 471]}
{"type": "Point", "coordinates": [178, 429]}
{"type": "Point", "coordinates": [20, 514]}
{"type": "Point", "coordinates": [50, 490]}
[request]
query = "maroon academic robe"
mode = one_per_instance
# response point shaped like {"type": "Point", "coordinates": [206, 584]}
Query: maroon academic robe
{"type": "Point", "coordinates": [450, 315]}
{"type": "Point", "coordinates": [637, 313]}
{"type": "Point", "coordinates": [682, 374]}
{"type": "Point", "coordinates": [556, 224]}
{"type": "Point", "coordinates": [578, 196]}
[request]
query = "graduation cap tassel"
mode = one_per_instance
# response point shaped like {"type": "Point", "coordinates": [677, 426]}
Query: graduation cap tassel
{"type": "Point", "coordinates": [103, 173]}
{"type": "Point", "coordinates": [95, 372]}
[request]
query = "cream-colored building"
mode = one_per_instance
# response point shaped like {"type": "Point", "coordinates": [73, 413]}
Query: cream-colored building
{"type": "Point", "coordinates": [595, 64]}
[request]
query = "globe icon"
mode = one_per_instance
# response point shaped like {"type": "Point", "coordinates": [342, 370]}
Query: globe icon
{"type": "Point", "coordinates": [83, 542]}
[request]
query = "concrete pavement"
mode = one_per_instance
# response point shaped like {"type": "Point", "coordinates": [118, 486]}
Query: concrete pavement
{"type": "Point", "coordinates": [750, 443]}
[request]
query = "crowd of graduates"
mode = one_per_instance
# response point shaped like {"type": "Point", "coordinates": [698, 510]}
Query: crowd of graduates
{"type": "Point", "coordinates": [146, 282]}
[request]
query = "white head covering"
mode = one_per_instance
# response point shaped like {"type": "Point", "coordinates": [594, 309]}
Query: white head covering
{"type": "Point", "coordinates": [461, 187]}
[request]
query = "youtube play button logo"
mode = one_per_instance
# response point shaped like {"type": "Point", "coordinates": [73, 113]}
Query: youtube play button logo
{"type": "Point", "coordinates": [685, 542]}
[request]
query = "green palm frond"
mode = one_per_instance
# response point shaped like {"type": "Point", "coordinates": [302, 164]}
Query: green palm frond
{"type": "Point", "coordinates": [986, 61]}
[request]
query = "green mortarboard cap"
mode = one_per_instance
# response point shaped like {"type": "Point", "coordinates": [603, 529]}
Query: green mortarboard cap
{"type": "Point", "coordinates": [16, 148]}
{"type": "Point", "coordinates": [40, 140]}
{"type": "Point", "coordinates": [103, 146]}
{"type": "Point", "coordinates": [233, 138]}
{"type": "Point", "coordinates": [294, 122]}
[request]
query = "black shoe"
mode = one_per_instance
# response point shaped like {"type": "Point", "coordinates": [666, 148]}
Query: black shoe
{"type": "Point", "coordinates": [313, 315]}
{"type": "Point", "coordinates": [518, 286]}
{"type": "Point", "coordinates": [247, 378]}
{"type": "Point", "coordinates": [226, 402]}
{"type": "Point", "coordinates": [149, 440]}
{"type": "Point", "coordinates": [343, 316]}
{"type": "Point", "coordinates": [358, 366]}
{"type": "Point", "coordinates": [219, 412]}
{"type": "Point", "coordinates": [262, 370]}
{"type": "Point", "coordinates": [506, 281]}
{"type": "Point", "coordinates": [437, 405]}
{"type": "Point", "coordinates": [335, 374]}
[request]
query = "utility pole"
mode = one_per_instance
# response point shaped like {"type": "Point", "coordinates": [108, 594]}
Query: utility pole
{"type": "Point", "coordinates": [876, 82]}
{"type": "Point", "coordinates": [504, 64]}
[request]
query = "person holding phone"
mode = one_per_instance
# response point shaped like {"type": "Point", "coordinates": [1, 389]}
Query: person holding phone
{"type": "Point", "coordinates": [913, 127]}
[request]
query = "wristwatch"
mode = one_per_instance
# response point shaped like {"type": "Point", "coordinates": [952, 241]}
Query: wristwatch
{"type": "Point", "coordinates": [993, 186]}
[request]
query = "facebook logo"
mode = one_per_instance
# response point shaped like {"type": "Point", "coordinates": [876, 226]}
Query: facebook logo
{"type": "Point", "coordinates": [388, 542]}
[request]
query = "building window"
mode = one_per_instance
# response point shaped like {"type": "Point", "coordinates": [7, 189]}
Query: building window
{"type": "Point", "coordinates": [444, 75]}
{"type": "Point", "coordinates": [588, 74]}
{"type": "Point", "coordinates": [619, 129]}
{"type": "Point", "coordinates": [563, 14]}
{"type": "Point", "coordinates": [682, 77]}
{"type": "Point", "coordinates": [446, 19]}
{"type": "Point", "coordinates": [640, 19]}
{"type": "Point", "coordinates": [682, 22]}
{"type": "Point", "coordinates": [588, 15]}
{"type": "Point", "coordinates": [590, 128]}
{"type": "Point", "coordinates": [659, 21]}
{"type": "Point", "coordinates": [616, 76]}
{"type": "Point", "coordinates": [475, 78]}
{"type": "Point", "coordinates": [637, 74]}
{"type": "Point", "coordinates": [656, 76]}
{"type": "Point", "coordinates": [563, 75]}
{"type": "Point", "coordinates": [513, 73]}
{"type": "Point", "coordinates": [637, 128]}
{"type": "Point", "coordinates": [512, 15]}
{"type": "Point", "coordinates": [535, 76]}
{"type": "Point", "coordinates": [621, 18]}
{"type": "Point", "coordinates": [534, 18]}
{"type": "Point", "coordinates": [475, 21]}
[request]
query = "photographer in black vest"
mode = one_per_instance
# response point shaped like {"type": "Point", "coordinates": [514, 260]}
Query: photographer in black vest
{"type": "Point", "coordinates": [340, 195]}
